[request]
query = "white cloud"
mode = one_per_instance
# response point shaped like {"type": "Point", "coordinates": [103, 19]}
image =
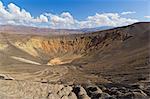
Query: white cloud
{"type": "Point", "coordinates": [128, 12]}
{"type": "Point", "coordinates": [148, 17]}
{"type": "Point", "coordinates": [66, 20]}
{"type": "Point", "coordinates": [13, 14]}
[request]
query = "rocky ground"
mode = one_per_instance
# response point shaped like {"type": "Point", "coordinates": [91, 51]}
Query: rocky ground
{"type": "Point", "coordinates": [36, 90]}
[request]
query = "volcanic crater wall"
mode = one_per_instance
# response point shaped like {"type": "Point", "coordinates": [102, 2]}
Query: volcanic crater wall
{"type": "Point", "coordinates": [64, 49]}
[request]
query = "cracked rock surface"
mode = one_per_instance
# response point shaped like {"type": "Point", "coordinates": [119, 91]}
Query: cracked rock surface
{"type": "Point", "coordinates": [37, 90]}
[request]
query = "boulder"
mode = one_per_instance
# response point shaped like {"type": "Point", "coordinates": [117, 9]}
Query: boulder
{"type": "Point", "coordinates": [72, 95]}
{"type": "Point", "coordinates": [94, 91]}
{"type": "Point", "coordinates": [79, 90]}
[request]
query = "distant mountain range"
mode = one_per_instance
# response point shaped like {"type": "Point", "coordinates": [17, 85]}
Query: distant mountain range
{"type": "Point", "coordinates": [44, 31]}
{"type": "Point", "coordinates": [96, 29]}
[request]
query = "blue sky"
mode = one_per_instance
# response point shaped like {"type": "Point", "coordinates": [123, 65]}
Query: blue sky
{"type": "Point", "coordinates": [80, 10]}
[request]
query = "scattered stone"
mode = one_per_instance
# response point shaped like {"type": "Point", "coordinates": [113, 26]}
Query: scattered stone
{"type": "Point", "coordinates": [60, 91]}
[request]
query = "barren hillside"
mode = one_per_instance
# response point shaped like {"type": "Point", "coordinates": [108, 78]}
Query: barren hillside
{"type": "Point", "coordinates": [114, 56]}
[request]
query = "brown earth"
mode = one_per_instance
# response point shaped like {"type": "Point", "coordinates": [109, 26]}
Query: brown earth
{"type": "Point", "coordinates": [119, 55]}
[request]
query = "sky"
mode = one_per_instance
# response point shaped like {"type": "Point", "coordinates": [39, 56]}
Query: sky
{"type": "Point", "coordinates": [73, 14]}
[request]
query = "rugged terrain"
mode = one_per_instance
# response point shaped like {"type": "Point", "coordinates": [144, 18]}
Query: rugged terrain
{"type": "Point", "coordinates": [105, 64]}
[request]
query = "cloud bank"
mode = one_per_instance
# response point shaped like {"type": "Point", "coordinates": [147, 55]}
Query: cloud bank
{"type": "Point", "coordinates": [14, 15]}
{"type": "Point", "coordinates": [128, 12]}
{"type": "Point", "coordinates": [148, 17]}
